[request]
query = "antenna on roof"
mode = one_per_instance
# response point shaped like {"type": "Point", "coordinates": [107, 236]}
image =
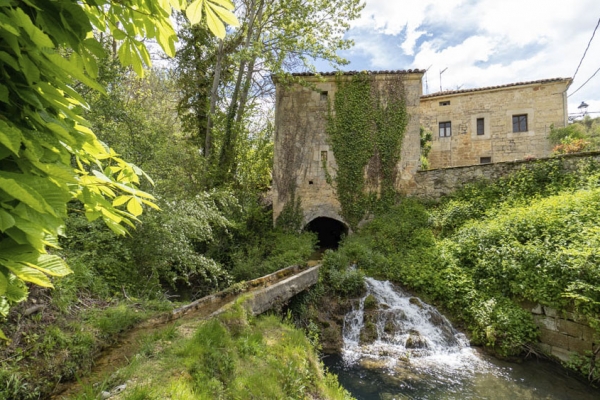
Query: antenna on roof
{"type": "Point", "coordinates": [426, 83]}
{"type": "Point", "coordinates": [441, 72]}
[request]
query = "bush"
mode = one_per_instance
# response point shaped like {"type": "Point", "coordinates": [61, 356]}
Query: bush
{"type": "Point", "coordinates": [340, 275]}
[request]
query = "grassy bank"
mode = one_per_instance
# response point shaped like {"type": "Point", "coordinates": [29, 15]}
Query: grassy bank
{"type": "Point", "coordinates": [230, 357]}
{"type": "Point", "coordinates": [531, 236]}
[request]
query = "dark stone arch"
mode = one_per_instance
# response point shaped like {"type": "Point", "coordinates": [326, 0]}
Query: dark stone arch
{"type": "Point", "coordinates": [328, 230]}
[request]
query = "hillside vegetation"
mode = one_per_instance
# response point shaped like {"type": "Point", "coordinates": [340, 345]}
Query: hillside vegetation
{"type": "Point", "coordinates": [531, 236]}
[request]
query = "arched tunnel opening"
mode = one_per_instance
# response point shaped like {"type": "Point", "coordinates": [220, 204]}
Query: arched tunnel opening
{"type": "Point", "coordinates": [329, 231]}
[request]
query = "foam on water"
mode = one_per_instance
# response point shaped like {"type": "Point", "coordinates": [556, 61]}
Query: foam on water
{"type": "Point", "coordinates": [409, 332]}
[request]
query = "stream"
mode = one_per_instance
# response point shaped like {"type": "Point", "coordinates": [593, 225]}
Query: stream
{"type": "Point", "coordinates": [398, 347]}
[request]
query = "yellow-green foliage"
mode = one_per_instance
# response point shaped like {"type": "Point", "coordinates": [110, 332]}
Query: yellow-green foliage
{"type": "Point", "coordinates": [233, 357]}
{"type": "Point", "coordinates": [531, 236]}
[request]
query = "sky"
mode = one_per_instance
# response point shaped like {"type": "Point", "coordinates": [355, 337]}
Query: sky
{"type": "Point", "coordinates": [481, 43]}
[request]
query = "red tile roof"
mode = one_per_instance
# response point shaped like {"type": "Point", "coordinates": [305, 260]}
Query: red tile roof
{"type": "Point", "coordinates": [400, 71]}
{"type": "Point", "coordinates": [449, 92]}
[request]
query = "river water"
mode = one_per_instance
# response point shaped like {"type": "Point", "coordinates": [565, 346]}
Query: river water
{"type": "Point", "coordinates": [399, 347]}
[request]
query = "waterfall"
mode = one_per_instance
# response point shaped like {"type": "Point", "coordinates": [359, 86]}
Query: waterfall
{"type": "Point", "coordinates": [390, 326]}
{"type": "Point", "coordinates": [398, 347]}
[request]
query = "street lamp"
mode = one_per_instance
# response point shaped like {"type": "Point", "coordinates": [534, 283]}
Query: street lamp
{"type": "Point", "coordinates": [583, 108]}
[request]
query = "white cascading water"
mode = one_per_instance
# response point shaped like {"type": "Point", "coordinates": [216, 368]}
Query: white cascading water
{"type": "Point", "coordinates": [403, 329]}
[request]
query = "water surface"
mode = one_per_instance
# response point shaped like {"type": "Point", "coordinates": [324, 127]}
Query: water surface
{"type": "Point", "coordinates": [402, 348]}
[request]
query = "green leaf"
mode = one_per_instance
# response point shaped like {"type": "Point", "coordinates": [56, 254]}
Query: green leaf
{"type": "Point", "coordinates": [194, 12]}
{"type": "Point", "coordinates": [6, 220]}
{"type": "Point", "coordinates": [224, 3]}
{"type": "Point", "coordinates": [115, 227]}
{"type": "Point", "coordinates": [135, 206]}
{"type": "Point", "coordinates": [16, 291]}
{"type": "Point", "coordinates": [227, 16]}
{"type": "Point", "coordinates": [8, 59]}
{"type": "Point", "coordinates": [119, 201]}
{"type": "Point", "coordinates": [4, 307]}
{"type": "Point", "coordinates": [3, 283]}
{"type": "Point", "coordinates": [52, 265]}
{"type": "Point", "coordinates": [10, 137]}
{"type": "Point", "coordinates": [71, 69]}
{"type": "Point", "coordinates": [29, 69]}
{"type": "Point", "coordinates": [28, 274]}
{"type": "Point", "coordinates": [36, 35]}
{"type": "Point", "coordinates": [2, 335]}
{"type": "Point", "coordinates": [4, 94]}
{"type": "Point", "coordinates": [23, 193]}
{"type": "Point", "coordinates": [213, 22]}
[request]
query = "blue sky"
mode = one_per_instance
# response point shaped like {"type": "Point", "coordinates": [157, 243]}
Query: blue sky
{"type": "Point", "coordinates": [481, 42]}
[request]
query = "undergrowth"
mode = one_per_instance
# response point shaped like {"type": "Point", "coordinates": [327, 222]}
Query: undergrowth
{"type": "Point", "coordinates": [530, 236]}
{"type": "Point", "coordinates": [233, 356]}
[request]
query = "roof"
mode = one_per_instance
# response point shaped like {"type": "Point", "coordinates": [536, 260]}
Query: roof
{"type": "Point", "coordinates": [509, 85]}
{"type": "Point", "coordinates": [332, 73]}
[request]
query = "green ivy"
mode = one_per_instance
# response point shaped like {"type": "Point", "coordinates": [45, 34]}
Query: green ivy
{"type": "Point", "coordinates": [366, 126]}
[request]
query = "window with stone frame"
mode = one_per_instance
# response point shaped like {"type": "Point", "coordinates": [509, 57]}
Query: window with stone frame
{"type": "Point", "coordinates": [520, 123]}
{"type": "Point", "coordinates": [480, 127]}
{"type": "Point", "coordinates": [445, 129]}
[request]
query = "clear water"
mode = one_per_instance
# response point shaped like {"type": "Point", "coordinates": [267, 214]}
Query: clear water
{"type": "Point", "coordinates": [417, 354]}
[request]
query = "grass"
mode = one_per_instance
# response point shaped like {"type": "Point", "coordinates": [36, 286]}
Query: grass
{"type": "Point", "coordinates": [233, 356]}
{"type": "Point", "coordinates": [57, 346]}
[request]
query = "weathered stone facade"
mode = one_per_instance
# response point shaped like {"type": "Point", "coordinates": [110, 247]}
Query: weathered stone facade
{"type": "Point", "coordinates": [302, 146]}
{"type": "Point", "coordinates": [539, 104]}
{"type": "Point", "coordinates": [436, 183]}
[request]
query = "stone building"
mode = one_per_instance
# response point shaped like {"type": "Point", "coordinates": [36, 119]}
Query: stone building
{"type": "Point", "coordinates": [470, 127]}
{"type": "Point", "coordinates": [302, 147]}
{"type": "Point", "coordinates": [494, 124]}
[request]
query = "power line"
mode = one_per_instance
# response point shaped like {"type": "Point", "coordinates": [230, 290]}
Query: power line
{"type": "Point", "coordinates": [586, 49]}
{"type": "Point", "coordinates": [590, 78]}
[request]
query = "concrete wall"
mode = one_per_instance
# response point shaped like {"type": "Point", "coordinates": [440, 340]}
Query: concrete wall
{"type": "Point", "coordinates": [433, 184]}
{"type": "Point", "coordinates": [544, 103]}
{"type": "Point", "coordinates": [301, 143]}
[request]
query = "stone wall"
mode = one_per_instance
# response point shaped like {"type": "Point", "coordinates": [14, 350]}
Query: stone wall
{"type": "Point", "coordinates": [543, 102]}
{"type": "Point", "coordinates": [561, 336]}
{"type": "Point", "coordinates": [433, 184]}
{"type": "Point", "coordinates": [301, 143]}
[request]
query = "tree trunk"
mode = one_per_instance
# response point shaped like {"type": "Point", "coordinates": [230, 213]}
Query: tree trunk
{"type": "Point", "coordinates": [213, 101]}
{"type": "Point", "coordinates": [228, 149]}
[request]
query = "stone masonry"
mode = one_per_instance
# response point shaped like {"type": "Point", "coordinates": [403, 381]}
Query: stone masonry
{"type": "Point", "coordinates": [561, 335]}
{"type": "Point", "coordinates": [541, 103]}
{"type": "Point", "coordinates": [436, 183]}
{"type": "Point", "coordinates": [301, 144]}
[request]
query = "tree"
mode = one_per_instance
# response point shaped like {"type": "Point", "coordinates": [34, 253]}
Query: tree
{"type": "Point", "coordinates": [275, 38]}
{"type": "Point", "coordinates": [48, 154]}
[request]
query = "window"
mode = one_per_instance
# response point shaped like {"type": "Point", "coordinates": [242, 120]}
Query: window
{"type": "Point", "coordinates": [485, 160]}
{"type": "Point", "coordinates": [445, 129]}
{"type": "Point", "coordinates": [520, 123]}
{"type": "Point", "coordinates": [323, 96]}
{"type": "Point", "coordinates": [445, 103]}
{"type": "Point", "coordinates": [480, 127]}
{"type": "Point", "coordinates": [323, 155]}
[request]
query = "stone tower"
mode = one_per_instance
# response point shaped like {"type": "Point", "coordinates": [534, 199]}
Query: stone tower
{"type": "Point", "coordinates": [303, 154]}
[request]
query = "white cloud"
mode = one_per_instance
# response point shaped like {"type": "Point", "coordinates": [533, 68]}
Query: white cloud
{"type": "Point", "coordinates": [484, 42]}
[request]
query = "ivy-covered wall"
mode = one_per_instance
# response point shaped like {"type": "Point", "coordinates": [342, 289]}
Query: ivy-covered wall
{"type": "Point", "coordinates": [311, 148]}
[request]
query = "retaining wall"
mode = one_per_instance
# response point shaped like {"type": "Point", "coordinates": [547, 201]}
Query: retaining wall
{"type": "Point", "coordinates": [561, 334]}
{"type": "Point", "coordinates": [436, 183]}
